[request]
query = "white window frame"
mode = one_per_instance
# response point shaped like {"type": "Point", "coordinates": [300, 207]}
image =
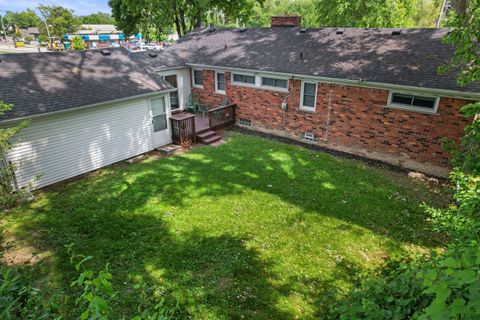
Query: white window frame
{"type": "Point", "coordinates": [308, 108]}
{"type": "Point", "coordinates": [224, 82]}
{"type": "Point", "coordinates": [272, 88]}
{"type": "Point", "coordinates": [232, 75]}
{"type": "Point", "coordinates": [400, 106]}
{"type": "Point", "coordinates": [193, 78]}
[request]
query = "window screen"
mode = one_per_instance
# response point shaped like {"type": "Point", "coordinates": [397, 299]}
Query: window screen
{"type": "Point", "coordinates": [221, 81]}
{"type": "Point", "coordinates": [243, 78]}
{"type": "Point", "coordinates": [198, 77]}
{"type": "Point", "coordinates": [309, 95]}
{"type": "Point", "coordinates": [274, 82]}
{"type": "Point", "coordinates": [174, 103]}
{"type": "Point", "coordinates": [159, 114]}
{"type": "Point", "coordinates": [413, 101]}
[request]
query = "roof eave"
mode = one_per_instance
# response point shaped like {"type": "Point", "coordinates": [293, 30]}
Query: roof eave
{"type": "Point", "coordinates": [104, 103]}
{"type": "Point", "coordinates": [359, 83]}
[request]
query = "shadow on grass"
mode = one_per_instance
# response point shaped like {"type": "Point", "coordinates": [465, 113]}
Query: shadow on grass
{"type": "Point", "coordinates": [113, 217]}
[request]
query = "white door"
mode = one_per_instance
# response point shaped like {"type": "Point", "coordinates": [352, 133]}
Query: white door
{"type": "Point", "coordinates": [160, 125]}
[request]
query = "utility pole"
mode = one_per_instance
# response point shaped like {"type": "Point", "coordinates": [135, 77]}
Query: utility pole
{"type": "Point", "coordinates": [440, 14]}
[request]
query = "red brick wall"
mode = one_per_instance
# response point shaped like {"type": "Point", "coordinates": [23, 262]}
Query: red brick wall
{"type": "Point", "coordinates": [359, 121]}
{"type": "Point", "coordinates": [207, 95]}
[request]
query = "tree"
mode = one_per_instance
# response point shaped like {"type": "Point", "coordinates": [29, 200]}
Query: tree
{"type": "Point", "coordinates": [366, 13]}
{"type": "Point", "coordinates": [97, 18]}
{"type": "Point", "coordinates": [132, 16]}
{"type": "Point", "coordinates": [426, 13]}
{"type": "Point", "coordinates": [23, 19]}
{"type": "Point", "coordinates": [465, 37]}
{"type": "Point", "coordinates": [61, 19]}
{"type": "Point", "coordinates": [78, 43]}
{"type": "Point", "coordinates": [262, 12]}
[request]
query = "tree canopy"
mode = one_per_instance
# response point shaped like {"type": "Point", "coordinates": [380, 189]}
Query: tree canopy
{"type": "Point", "coordinates": [22, 19]}
{"type": "Point", "coordinates": [97, 18]}
{"type": "Point", "coordinates": [61, 20]}
{"type": "Point", "coordinates": [133, 16]}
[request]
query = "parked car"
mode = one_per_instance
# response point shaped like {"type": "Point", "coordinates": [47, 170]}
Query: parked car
{"type": "Point", "coordinates": [154, 46]}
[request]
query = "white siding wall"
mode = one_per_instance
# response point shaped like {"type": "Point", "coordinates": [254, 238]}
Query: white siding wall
{"type": "Point", "coordinates": [183, 82]}
{"type": "Point", "coordinates": [62, 146]}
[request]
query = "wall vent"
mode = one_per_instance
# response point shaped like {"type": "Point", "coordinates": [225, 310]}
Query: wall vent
{"type": "Point", "coordinates": [244, 122]}
{"type": "Point", "coordinates": [308, 136]}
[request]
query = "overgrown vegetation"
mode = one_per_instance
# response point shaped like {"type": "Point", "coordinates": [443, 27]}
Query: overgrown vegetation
{"type": "Point", "coordinates": [8, 194]}
{"type": "Point", "coordinates": [444, 285]}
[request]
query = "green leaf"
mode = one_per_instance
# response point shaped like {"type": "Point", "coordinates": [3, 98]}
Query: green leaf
{"type": "Point", "coordinates": [465, 277]}
{"type": "Point", "coordinates": [457, 308]}
{"type": "Point", "coordinates": [100, 304]}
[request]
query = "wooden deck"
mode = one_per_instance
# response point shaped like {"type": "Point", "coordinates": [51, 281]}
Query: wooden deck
{"type": "Point", "coordinates": [201, 123]}
{"type": "Point", "coordinates": [193, 127]}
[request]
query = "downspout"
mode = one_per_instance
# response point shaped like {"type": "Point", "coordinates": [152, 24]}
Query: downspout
{"type": "Point", "coordinates": [290, 91]}
{"type": "Point", "coordinates": [329, 113]}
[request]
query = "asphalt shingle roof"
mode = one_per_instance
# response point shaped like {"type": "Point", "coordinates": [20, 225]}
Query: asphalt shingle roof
{"type": "Point", "coordinates": [39, 83]}
{"type": "Point", "coordinates": [375, 55]}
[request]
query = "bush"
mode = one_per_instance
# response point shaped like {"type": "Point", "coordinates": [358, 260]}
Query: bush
{"type": "Point", "coordinates": [19, 299]}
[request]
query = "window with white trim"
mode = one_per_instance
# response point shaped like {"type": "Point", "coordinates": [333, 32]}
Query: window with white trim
{"type": "Point", "coordinates": [309, 96]}
{"type": "Point", "coordinates": [220, 82]}
{"type": "Point", "coordinates": [274, 82]}
{"type": "Point", "coordinates": [197, 78]}
{"type": "Point", "coordinates": [414, 102]}
{"type": "Point", "coordinates": [243, 78]}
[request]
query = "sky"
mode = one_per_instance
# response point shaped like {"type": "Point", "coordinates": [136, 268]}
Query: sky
{"type": "Point", "coordinates": [81, 7]}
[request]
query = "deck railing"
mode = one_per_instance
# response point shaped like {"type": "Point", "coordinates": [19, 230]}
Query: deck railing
{"type": "Point", "coordinates": [221, 117]}
{"type": "Point", "coordinates": [183, 128]}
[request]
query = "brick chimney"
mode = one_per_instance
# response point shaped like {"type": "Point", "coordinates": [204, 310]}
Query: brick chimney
{"type": "Point", "coordinates": [287, 21]}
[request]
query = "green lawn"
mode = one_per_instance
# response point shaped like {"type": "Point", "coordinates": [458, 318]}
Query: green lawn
{"type": "Point", "coordinates": [253, 228]}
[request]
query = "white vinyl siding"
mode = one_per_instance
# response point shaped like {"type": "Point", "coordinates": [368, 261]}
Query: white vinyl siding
{"type": "Point", "coordinates": [183, 84]}
{"type": "Point", "coordinates": [62, 146]}
{"type": "Point", "coordinates": [308, 97]}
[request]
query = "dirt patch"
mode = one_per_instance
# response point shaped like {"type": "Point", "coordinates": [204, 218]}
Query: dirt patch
{"type": "Point", "coordinates": [16, 253]}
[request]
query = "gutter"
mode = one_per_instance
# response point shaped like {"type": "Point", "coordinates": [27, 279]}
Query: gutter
{"type": "Point", "coordinates": [105, 103]}
{"type": "Point", "coordinates": [358, 83]}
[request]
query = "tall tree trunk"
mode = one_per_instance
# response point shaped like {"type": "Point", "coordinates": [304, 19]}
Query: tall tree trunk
{"type": "Point", "coordinates": [178, 27]}
{"type": "Point", "coordinates": [460, 6]}
{"type": "Point", "coordinates": [182, 20]}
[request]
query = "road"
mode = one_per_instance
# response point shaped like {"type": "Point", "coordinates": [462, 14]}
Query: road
{"type": "Point", "coordinates": [8, 47]}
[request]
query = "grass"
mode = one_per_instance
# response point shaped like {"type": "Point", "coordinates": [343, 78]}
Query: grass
{"type": "Point", "coordinates": [251, 229]}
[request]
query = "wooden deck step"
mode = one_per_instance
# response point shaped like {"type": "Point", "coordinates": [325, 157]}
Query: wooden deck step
{"type": "Point", "coordinates": [206, 134]}
{"type": "Point", "coordinates": [212, 139]}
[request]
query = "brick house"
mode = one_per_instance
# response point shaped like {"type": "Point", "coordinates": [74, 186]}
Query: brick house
{"type": "Point", "coordinates": [375, 93]}
{"type": "Point", "coordinates": [369, 92]}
